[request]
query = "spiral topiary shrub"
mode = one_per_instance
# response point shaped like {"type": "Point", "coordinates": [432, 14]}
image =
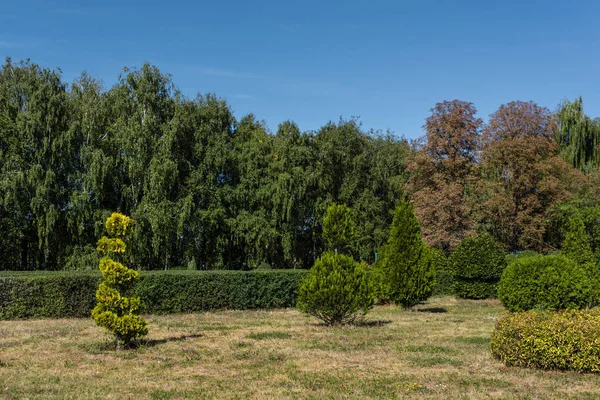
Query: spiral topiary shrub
{"type": "Point", "coordinates": [565, 340]}
{"type": "Point", "coordinates": [115, 312]}
{"type": "Point", "coordinates": [477, 265]}
{"type": "Point", "coordinates": [544, 282]}
{"type": "Point", "coordinates": [336, 290]}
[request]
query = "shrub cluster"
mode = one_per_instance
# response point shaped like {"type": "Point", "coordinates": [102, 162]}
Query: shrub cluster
{"type": "Point", "coordinates": [477, 265]}
{"type": "Point", "coordinates": [337, 290]}
{"type": "Point", "coordinates": [544, 282]}
{"type": "Point", "coordinates": [71, 294]}
{"type": "Point", "coordinates": [565, 340]}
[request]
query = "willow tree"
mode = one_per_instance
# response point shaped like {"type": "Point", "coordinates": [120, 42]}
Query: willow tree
{"type": "Point", "coordinates": [578, 136]}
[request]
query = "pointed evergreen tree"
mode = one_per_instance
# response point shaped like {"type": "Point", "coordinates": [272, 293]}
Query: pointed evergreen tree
{"type": "Point", "coordinates": [406, 268]}
{"type": "Point", "coordinates": [338, 228]}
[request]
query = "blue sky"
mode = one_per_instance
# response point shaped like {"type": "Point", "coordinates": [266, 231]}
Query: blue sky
{"type": "Point", "coordinates": [387, 62]}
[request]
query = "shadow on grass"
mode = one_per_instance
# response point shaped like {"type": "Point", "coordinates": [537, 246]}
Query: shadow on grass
{"type": "Point", "coordinates": [372, 323]}
{"type": "Point", "coordinates": [156, 342]}
{"type": "Point", "coordinates": [435, 310]}
{"type": "Point", "coordinates": [357, 323]}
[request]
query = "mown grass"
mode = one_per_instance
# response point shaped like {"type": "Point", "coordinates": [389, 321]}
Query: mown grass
{"type": "Point", "coordinates": [438, 350]}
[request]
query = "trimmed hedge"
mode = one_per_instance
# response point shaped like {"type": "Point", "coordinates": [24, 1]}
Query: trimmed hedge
{"type": "Point", "coordinates": [477, 264]}
{"type": "Point", "coordinates": [444, 278]}
{"type": "Point", "coordinates": [565, 340]}
{"type": "Point", "coordinates": [70, 294]}
{"type": "Point", "coordinates": [544, 282]}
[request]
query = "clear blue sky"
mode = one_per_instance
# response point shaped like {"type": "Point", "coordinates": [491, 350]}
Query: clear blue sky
{"type": "Point", "coordinates": [311, 61]}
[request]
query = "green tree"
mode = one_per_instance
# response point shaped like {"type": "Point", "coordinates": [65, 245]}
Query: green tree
{"type": "Point", "coordinates": [115, 312]}
{"type": "Point", "coordinates": [338, 229]}
{"type": "Point", "coordinates": [406, 269]}
{"type": "Point", "coordinates": [578, 136]}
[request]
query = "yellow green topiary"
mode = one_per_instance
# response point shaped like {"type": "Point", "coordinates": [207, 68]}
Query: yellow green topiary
{"type": "Point", "coordinates": [115, 312]}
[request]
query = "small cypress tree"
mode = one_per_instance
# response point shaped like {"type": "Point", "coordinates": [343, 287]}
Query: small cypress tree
{"type": "Point", "coordinates": [115, 312]}
{"type": "Point", "coordinates": [406, 269]}
{"type": "Point", "coordinates": [338, 228]}
{"type": "Point", "coordinates": [577, 248]}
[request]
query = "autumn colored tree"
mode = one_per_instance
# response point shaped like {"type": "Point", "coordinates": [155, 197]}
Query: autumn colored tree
{"type": "Point", "coordinates": [442, 173]}
{"type": "Point", "coordinates": [523, 174]}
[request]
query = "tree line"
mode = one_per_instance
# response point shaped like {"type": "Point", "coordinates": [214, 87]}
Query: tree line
{"type": "Point", "coordinates": [209, 191]}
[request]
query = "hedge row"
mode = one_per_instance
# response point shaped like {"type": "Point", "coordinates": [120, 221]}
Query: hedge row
{"type": "Point", "coordinates": [565, 340]}
{"type": "Point", "coordinates": [62, 294]}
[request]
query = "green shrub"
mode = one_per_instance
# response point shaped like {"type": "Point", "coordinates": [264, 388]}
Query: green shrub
{"type": "Point", "coordinates": [477, 265]}
{"type": "Point", "coordinates": [565, 340]}
{"type": "Point", "coordinates": [577, 247]}
{"type": "Point", "coordinates": [117, 311]}
{"type": "Point", "coordinates": [544, 282]}
{"type": "Point", "coordinates": [406, 273]}
{"type": "Point", "coordinates": [71, 294]}
{"type": "Point", "coordinates": [512, 257]}
{"type": "Point", "coordinates": [336, 290]}
{"type": "Point", "coordinates": [444, 280]}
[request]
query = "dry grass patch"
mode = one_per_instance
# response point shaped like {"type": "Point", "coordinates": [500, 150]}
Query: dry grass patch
{"type": "Point", "coordinates": [437, 350]}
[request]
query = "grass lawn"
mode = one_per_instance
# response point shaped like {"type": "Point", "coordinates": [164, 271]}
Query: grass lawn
{"type": "Point", "coordinates": [439, 350]}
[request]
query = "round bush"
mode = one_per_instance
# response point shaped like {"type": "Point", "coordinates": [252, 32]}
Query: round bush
{"type": "Point", "coordinates": [544, 282]}
{"type": "Point", "coordinates": [336, 290]}
{"type": "Point", "coordinates": [565, 340]}
{"type": "Point", "coordinates": [477, 265]}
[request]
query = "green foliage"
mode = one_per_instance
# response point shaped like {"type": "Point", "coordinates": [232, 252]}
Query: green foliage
{"type": "Point", "coordinates": [512, 257]}
{"type": "Point", "coordinates": [578, 136]}
{"type": "Point", "coordinates": [566, 340]}
{"type": "Point", "coordinates": [115, 312]}
{"type": "Point", "coordinates": [206, 190]}
{"type": "Point", "coordinates": [338, 228]}
{"type": "Point", "coordinates": [68, 295]}
{"type": "Point", "coordinates": [406, 269]}
{"type": "Point", "coordinates": [477, 265]}
{"type": "Point", "coordinates": [337, 290]}
{"type": "Point", "coordinates": [577, 243]}
{"type": "Point", "coordinates": [544, 282]}
{"type": "Point", "coordinates": [577, 248]}
{"type": "Point", "coordinates": [444, 278]}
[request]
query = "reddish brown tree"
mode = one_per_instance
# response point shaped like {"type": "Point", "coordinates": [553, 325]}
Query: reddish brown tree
{"type": "Point", "coordinates": [523, 174]}
{"type": "Point", "coordinates": [442, 173]}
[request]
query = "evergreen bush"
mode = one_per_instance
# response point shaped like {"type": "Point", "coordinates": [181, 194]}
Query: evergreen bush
{"type": "Point", "coordinates": [565, 340]}
{"type": "Point", "coordinates": [115, 312]}
{"type": "Point", "coordinates": [336, 290]}
{"type": "Point", "coordinates": [407, 274]}
{"type": "Point", "coordinates": [544, 282]}
{"type": "Point", "coordinates": [477, 264]}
